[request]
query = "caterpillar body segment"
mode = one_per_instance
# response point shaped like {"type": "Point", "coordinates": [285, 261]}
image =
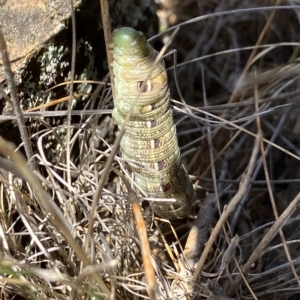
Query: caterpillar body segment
{"type": "Point", "coordinates": [149, 143]}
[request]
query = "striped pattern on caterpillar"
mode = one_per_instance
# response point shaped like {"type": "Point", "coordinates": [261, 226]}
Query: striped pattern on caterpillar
{"type": "Point", "coordinates": [150, 135]}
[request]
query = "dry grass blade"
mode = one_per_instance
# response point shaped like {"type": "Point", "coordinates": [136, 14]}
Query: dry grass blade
{"type": "Point", "coordinates": [146, 251]}
{"type": "Point", "coordinates": [80, 227]}
{"type": "Point", "coordinates": [58, 219]}
{"type": "Point", "coordinates": [108, 38]}
{"type": "Point", "coordinates": [73, 58]}
{"type": "Point", "coordinates": [264, 243]}
{"type": "Point", "coordinates": [271, 194]}
{"type": "Point", "coordinates": [233, 96]}
{"type": "Point", "coordinates": [244, 183]}
{"type": "Point", "coordinates": [276, 228]}
{"type": "Point", "coordinates": [225, 13]}
{"type": "Point", "coordinates": [142, 232]}
{"type": "Point", "coordinates": [15, 101]}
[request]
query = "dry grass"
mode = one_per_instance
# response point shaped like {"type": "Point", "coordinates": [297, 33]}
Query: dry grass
{"type": "Point", "coordinates": [67, 226]}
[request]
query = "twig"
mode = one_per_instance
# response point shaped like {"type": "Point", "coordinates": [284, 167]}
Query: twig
{"type": "Point", "coordinates": [142, 232]}
{"type": "Point", "coordinates": [7, 165]}
{"type": "Point", "coordinates": [108, 39]}
{"type": "Point", "coordinates": [111, 157]}
{"type": "Point", "coordinates": [264, 161]}
{"type": "Point", "coordinates": [245, 181]}
{"type": "Point", "coordinates": [245, 130]}
{"type": "Point", "coordinates": [16, 102]}
{"type": "Point", "coordinates": [234, 95]}
{"type": "Point", "coordinates": [57, 218]}
{"type": "Point", "coordinates": [210, 144]}
{"type": "Point", "coordinates": [198, 233]}
{"type": "Point", "coordinates": [264, 243]}
{"type": "Point", "coordinates": [225, 13]}
{"type": "Point", "coordinates": [68, 148]}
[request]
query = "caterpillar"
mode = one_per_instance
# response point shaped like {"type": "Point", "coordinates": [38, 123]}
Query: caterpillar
{"type": "Point", "coordinates": [149, 144]}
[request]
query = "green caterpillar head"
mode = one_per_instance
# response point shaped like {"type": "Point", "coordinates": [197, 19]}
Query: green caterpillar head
{"type": "Point", "coordinates": [128, 41]}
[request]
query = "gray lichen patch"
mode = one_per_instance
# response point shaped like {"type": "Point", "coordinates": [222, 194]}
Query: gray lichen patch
{"type": "Point", "coordinates": [43, 82]}
{"type": "Point", "coordinates": [38, 85]}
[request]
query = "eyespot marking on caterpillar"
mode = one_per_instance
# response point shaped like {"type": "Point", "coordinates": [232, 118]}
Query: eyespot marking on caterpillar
{"type": "Point", "coordinates": [153, 123]}
{"type": "Point", "coordinates": [156, 143]}
{"type": "Point", "coordinates": [158, 166]}
{"type": "Point", "coordinates": [144, 87]}
{"type": "Point", "coordinates": [164, 187]}
{"type": "Point", "coordinates": [161, 164]}
{"type": "Point", "coordinates": [147, 108]}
